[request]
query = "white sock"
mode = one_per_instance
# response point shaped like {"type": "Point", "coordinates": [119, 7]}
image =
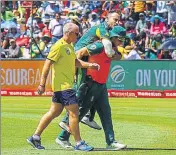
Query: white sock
{"type": "Point", "coordinates": [78, 142]}
{"type": "Point", "coordinates": [36, 137]}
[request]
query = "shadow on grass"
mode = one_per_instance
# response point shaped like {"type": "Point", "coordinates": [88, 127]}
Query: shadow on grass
{"type": "Point", "coordinates": [127, 149]}
{"type": "Point", "coordinates": [136, 149]}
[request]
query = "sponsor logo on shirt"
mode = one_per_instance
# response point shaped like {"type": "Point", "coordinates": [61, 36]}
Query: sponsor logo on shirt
{"type": "Point", "coordinates": [68, 51]}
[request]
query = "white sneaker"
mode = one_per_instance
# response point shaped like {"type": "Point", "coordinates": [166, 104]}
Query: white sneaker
{"type": "Point", "coordinates": [116, 146]}
{"type": "Point", "coordinates": [64, 144]}
{"type": "Point", "coordinates": [85, 120]}
{"type": "Point", "coordinates": [65, 126]}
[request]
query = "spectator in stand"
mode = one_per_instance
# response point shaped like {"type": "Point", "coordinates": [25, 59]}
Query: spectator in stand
{"type": "Point", "coordinates": [161, 8]}
{"type": "Point", "coordinates": [16, 14]}
{"type": "Point", "coordinates": [149, 8]}
{"type": "Point", "coordinates": [35, 49]}
{"type": "Point", "coordinates": [76, 20]}
{"type": "Point", "coordinates": [78, 12]}
{"type": "Point", "coordinates": [156, 43]}
{"type": "Point", "coordinates": [107, 5]}
{"type": "Point", "coordinates": [157, 26]}
{"type": "Point", "coordinates": [10, 4]}
{"type": "Point", "coordinates": [131, 54]}
{"type": "Point", "coordinates": [31, 23]}
{"type": "Point", "coordinates": [138, 7]}
{"type": "Point", "coordinates": [140, 42]}
{"type": "Point", "coordinates": [130, 29]}
{"type": "Point", "coordinates": [12, 34]}
{"type": "Point", "coordinates": [172, 30]}
{"type": "Point", "coordinates": [94, 20]}
{"type": "Point", "coordinates": [128, 42]}
{"type": "Point", "coordinates": [166, 54]}
{"type": "Point", "coordinates": [56, 27]}
{"type": "Point", "coordinates": [44, 44]}
{"type": "Point", "coordinates": [171, 12]}
{"type": "Point", "coordinates": [141, 24]}
{"type": "Point", "coordinates": [6, 15]}
{"type": "Point", "coordinates": [147, 31]}
{"type": "Point", "coordinates": [52, 9]}
{"type": "Point", "coordinates": [150, 54]}
{"type": "Point", "coordinates": [46, 30]}
{"type": "Point", "coordinates": [85, 23]}
{"type": "Point", "coordinates": [14, 50]}
{"type": "Point", "coordinates": [126, 13]}
{"type": "Point", "coordinates": [74, 5]}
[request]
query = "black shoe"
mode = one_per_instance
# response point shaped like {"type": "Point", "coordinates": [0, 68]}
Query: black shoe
{"type": "Point", "coordinates": [35, 143]}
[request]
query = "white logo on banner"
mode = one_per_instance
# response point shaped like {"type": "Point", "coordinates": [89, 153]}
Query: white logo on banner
{"type": "Point", "coordinates": [117, 74]}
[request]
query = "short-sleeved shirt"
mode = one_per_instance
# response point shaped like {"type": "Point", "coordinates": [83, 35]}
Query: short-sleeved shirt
{"type": "Point", "coordinates": [56, 27]}
{"type": "Point", "coordinates": [63, 68]}
{"type": "Point", "coordinates": [141, 25]}
{"type": "Point", "coordinates": [93, 34]}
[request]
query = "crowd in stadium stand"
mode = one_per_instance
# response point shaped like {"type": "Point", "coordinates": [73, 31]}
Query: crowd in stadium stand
{"type": "Point", "coordinates": [28, 29]}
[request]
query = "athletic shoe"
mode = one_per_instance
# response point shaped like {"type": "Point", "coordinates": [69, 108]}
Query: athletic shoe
{"type": "Point", "coordinates": [64, 144]}
{"type": "Point", "coordinates": [35, 143]}
{"type": "Point", "coordinates": [116, 146]}
{"type": "Point", "coordinates": [85, 120]}
{"type": "Point", "coordinates": [65, 126]}
{"type": "Point", "coordinates": [83, 147]}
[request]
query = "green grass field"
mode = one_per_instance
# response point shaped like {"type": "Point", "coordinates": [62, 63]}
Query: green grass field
{"type": "Point", "coordinates": [147, 126]}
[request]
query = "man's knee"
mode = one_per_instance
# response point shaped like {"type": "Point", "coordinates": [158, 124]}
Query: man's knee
{"type": "Point", "coordinates": [73, 115]}
{"type": "Point", "coordinates": [53, 113]}
{"type": "Point", "coordinates": [55, 110]}
{"type": "Point", "coordinates": [73, 110]}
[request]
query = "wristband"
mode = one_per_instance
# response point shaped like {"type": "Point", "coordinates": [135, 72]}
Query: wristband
{"type": "Point", "coordinates": [42, 85]}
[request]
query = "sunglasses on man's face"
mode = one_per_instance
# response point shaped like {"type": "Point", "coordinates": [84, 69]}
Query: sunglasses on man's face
{"type": "Point", "coordinates": [76, 33]}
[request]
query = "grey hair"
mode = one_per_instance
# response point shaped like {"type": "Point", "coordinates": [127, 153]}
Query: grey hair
{"type": "Point", "coordinates": [68, 27]}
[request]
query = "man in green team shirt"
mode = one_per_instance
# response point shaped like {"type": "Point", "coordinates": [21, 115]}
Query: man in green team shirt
{"type": "Point", "coordinates": [99, 32]}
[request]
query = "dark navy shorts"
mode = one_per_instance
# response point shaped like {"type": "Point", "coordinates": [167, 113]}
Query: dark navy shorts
{"type": "Point", "coordinates": [65, 97]}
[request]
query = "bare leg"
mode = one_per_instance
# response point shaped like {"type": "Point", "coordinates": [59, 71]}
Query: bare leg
{"type": "Point", "coordinates": [74, 121]}
{"type": "Point", "coordinates": [55, 111]}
